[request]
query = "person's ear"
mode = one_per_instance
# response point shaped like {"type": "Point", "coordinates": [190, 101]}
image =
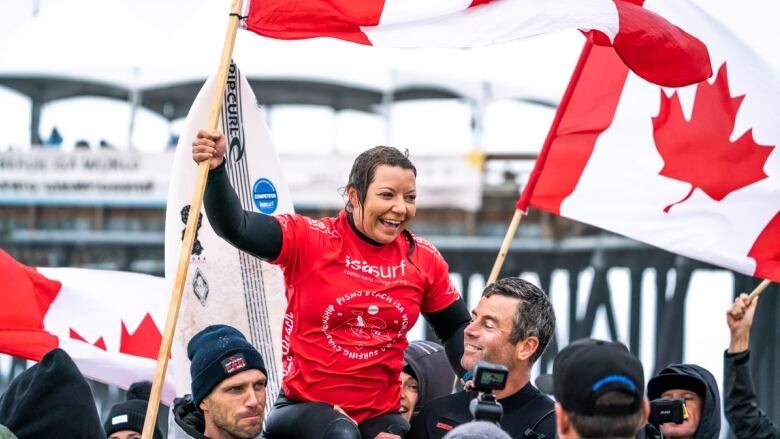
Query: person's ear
{"type": "Point", "coordinates": [203, 406]}
{"type": "Point", "coordinates": [526, 348]}
{"type": "Point", "coordinates": [353, 197]}
{"type": "Point", "coordinates": [645, 411]}
{"type": "Point", "coordinates": [562, 423]}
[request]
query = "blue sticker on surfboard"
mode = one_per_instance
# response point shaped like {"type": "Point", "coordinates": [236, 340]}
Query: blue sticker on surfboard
{"type": "Point", "coordinates": [265, 197]}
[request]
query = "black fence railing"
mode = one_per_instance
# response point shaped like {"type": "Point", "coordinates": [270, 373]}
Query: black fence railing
{"type": "Point", "coordinates": [472, 258]}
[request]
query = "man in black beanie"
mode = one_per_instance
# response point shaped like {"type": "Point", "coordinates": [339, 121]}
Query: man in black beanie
{"type": "Point", "coordinates": [51, 399]}
{"type": "Point", "coordinates": [126, 419]}
{"type": "Point", "coordinates": [228, 387]}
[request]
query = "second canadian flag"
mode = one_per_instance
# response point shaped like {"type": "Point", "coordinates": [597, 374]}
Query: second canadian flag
{"type": "Point", "coordinates": [694, 170]}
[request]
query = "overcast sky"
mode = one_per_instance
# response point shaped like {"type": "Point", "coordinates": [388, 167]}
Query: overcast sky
{"type": "Point", "coordinates": [134, 42]}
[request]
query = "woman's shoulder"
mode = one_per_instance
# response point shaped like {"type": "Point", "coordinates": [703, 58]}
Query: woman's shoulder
{"type": "Point", "coordinates": [425, 246]}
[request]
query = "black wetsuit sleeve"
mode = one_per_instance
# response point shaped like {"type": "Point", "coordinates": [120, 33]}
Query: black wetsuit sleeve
{"type": "Point", "coordinates": [252, 232]}
{"type": "Point", "coordinates": [448, 324]}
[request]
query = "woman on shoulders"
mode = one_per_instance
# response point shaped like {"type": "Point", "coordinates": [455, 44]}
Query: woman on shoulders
{"type": "Point", "coordinates": [355, 285]}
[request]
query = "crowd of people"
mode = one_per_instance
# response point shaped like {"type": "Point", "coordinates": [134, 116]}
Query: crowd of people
{"type": "Point", "coordinates": [355, 285]}
{"type": "Point", "coordinates": [598, 386]}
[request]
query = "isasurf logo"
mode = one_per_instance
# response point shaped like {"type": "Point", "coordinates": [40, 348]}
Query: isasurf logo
{"type": "Point", "coordinates": [197, 247]}
{"type": "Point", "coordinates": [377, 271]}
{"type": "Point", "coordinates": [234, 363]}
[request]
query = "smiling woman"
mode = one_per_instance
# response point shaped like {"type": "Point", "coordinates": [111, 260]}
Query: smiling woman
{"type": "Point", "coordinates": [355, 285]}
{"type": "Point", "coordinates": [383, 184]}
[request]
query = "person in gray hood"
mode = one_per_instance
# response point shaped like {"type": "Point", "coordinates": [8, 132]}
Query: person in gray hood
{"type": "Point", "coordinates": [426, 375]}
{"type": "Point", "coordinates": [699, 389]}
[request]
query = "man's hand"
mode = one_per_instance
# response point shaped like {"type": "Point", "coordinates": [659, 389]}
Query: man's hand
{"type": "Point", "coordinates": [387, 436]}
{"type": "Point", "coordinates": [740, 319]}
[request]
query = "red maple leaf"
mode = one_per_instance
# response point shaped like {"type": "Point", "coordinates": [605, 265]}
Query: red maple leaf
{"type": "Point", "coordinates": [144, 342]}
{"type": "Point", "coordinates": [699, 151]}
{"type": "Point", "coordinates": [99, 343]}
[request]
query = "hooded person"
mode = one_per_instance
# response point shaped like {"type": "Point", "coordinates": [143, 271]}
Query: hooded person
{"type": "Point", "coordinates": [126, 419]}
{"type": "Point", "coordinates": [698, 388]}
{"type": "Point", "coordinates": [50, 399]}
{"type": "Point", "coordinates": [426, 375]}
{"type": "Point", "coordinates": [228, 388]}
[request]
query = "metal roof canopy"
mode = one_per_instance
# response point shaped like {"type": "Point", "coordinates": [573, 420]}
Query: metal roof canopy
{"type": "Point", "coordinates": [173, 101]}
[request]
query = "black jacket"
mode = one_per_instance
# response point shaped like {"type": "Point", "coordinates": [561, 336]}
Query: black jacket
{"type": "Point", "coordinates": [186, 422]}
{"type": "Point", "coordinates": [51, 399]}
{"type": "Point", "coordinates": [522, 410]}
{"type": "Point", "coordinates": [742, 412]}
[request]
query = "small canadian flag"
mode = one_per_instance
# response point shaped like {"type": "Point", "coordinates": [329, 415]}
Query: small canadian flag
{"type": "Point", "coordinates": [105, 320]}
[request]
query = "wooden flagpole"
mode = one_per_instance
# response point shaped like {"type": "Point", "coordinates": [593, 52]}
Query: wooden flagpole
{"type": "Point", "coordinates": [510, 235]}
{"type": "Point", "coordinates": [760, 288]}
{"type": "Point", "coordinates": [192, 221]}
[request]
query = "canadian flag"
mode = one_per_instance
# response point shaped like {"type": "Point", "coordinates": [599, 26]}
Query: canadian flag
{"type": "Point", "coordinates": [107, 321]}
{"type": "Point", "coordinates": [694, 170]}
{"type": "Point", "coordinates": [650, 45]}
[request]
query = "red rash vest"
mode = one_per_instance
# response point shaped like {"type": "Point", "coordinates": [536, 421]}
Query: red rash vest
{"type": "Point", "coordinates": [349, 307]}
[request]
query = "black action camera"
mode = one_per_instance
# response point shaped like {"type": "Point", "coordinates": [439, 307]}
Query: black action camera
{"type": "Point", "coordinates": [664, 411]}
{"type": "Point", "coordinates": [488, 377]}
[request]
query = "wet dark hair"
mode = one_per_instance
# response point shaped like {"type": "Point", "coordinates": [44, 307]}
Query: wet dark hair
{"type": "Point", "coordinates": [362, 174]}
{"type": "Point", "coordinates": [534, 315]}
{"type": "Point", "coordinates": [364, 169]}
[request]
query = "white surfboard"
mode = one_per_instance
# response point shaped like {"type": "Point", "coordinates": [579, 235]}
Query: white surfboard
{"type": "Point", "coordinates": [225, 285]}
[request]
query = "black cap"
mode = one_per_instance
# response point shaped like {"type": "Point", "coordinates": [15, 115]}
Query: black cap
{"type": "Point", "coordinates": [586, 369]}
{"type": "Point", "coordinates": [670, 379]}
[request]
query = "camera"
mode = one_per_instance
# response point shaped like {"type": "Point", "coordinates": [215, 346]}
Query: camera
{"type": "Point", "coordinates": [488, 377]}
{"type": "Point", "coordinates": [663, 411]}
